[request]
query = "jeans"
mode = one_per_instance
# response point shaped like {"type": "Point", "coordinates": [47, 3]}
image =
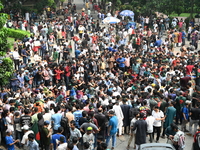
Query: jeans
{"type": "Point", "coordinates": [113, 136]}
{"type": "Point", "coordinates": [24, 60]}
{"type": "Point", "coordinates": [195, 123]}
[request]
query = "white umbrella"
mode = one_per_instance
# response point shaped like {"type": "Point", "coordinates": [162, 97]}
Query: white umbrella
{"type": "Point", "coordinates": [111, 20]}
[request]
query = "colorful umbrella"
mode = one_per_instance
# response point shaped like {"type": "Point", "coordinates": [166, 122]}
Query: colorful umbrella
{"type": "Point", "coordinates": [111, 20]}
{"type": "Point", "coordinates": [127, 13]}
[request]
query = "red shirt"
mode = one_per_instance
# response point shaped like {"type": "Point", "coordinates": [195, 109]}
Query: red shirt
{"type": "Point", "coordinates": [67, 70]}
{"type": "Point", "coordinates": [58, 72]}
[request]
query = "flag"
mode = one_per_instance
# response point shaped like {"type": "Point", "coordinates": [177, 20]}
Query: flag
{"type": "Point", "coordinates": [35, 129]}
{"type": "Point", "coordinates": [70, 46]}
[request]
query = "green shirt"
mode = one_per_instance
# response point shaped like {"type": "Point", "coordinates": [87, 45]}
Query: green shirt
{"type": "Point", "coordinates": [55, 55]}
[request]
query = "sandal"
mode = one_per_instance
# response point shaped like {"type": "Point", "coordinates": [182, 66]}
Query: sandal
{"type": "Point", "coordinates": [128, 147]}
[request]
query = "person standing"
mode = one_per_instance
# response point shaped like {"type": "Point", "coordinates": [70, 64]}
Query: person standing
{"type": "Point", "coordinates": [10, 142]}
{"type": "Point", "coordinates": [132, 133]}
{"type": "Point", "coordinates": [159, 116]}
{"type": "Point", "coordinates": [141, 126]}
{"type": "Point", "coordinates": [185, 114]}
{"type": "Point", "coordinates": [112, 128]}
{"type": "Point", "coordinates": [118, 111]}
{"type": "Point", "coordinates": [32, 144]}
{"type": "Point", "coordinates": [194, 114]}
{"type": "Point", "coordinates": [150, 120]}
{"type": "Point", "coordinates": [169, 116]}
{"type": "Point", "coordinates": [126, 122]}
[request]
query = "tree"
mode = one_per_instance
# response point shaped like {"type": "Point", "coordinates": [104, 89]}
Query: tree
{"type": "Point", "coordinates": [6, 63]}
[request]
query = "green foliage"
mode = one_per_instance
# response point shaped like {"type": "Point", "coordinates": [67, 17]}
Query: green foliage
{"type": "Point", "coordinates": [6, 70]}
{"type": "Point", "coordinates": [6, 63]}
{"type": "Point", "coordinates": [40, 5]}
{"type": "Point", "coordinates": [17, 33]}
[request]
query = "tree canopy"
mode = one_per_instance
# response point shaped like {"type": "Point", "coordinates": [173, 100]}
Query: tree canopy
{"type": "Point", "coordinates": [6, 64]}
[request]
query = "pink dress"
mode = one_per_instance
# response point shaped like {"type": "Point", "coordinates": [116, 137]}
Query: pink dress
{"type": "Point", "coordinates": [180, 37]}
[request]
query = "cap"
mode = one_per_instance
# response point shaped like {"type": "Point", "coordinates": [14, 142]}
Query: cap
{"type": "Point", "coordinates": [89, 128]}
{"type": "Point", "coordinates": [25, 127]}
{"type": "Point", "coordinates": [46, 122]}
{"type": "Point", "coordinates": [187, 102]}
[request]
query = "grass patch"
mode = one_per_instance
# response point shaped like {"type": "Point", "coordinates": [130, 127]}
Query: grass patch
{"type": "Point", "coordinates": [11, 42]}
{"type": "Point", "coordinates": [182, 15]}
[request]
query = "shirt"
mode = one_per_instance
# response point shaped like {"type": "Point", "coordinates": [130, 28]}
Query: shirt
{"type": "Point", "coordinates": [56, 118]}
{"type": "Point", "coordinates": [150, 120]}
{"type": "Point", "coordinates": [56, 137]}
{"type": "Point", "coordinates": [113, 122]}
{"type": "Point", "coordinates": [75, 133]}
{"type": "Point", "coordinates": [33, 145]}
{"type": "Point", "coordinates": [160, 114]}
{"type": "Point", "coordinates": [9, 140]}
{"type": "Point", "coordinates": [120, 61]}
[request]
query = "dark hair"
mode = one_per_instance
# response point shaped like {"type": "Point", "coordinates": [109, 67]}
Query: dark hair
{"type": "Point", "coordinates": [70, 146]}
{"type": "Point", "coordinates": [84, 113]}
{"type": "Point", "coordinates": [56, 109]}
{"type": "Point", "coordinates": [74, 140]}
{"type": "Point", "coordinates": [31, 136]}
{"type": "Point", "coordinates": [60, 129]}
{"type": "Point", "coordinates": [73, 122]}
{"type": "Point", "coordinates": [86, 145]}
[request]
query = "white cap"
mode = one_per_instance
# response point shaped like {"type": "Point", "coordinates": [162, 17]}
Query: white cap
{"type": "Point", "coordinates": [25, 127]}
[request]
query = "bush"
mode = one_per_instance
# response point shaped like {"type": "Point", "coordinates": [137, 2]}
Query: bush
{"type": "Point", "coordinates": [17, 33]}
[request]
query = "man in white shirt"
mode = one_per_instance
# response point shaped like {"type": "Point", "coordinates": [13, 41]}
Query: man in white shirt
{"type": "Point", "coordinates": [25, 136]}
{"type": "Point", "coordinates": [16, 57]}
{"type": "Point", "coordinates": [62, 144]}
{"type": "Point", "coordinates": [150, 120]}
{"type": "Point", "coordinates": [118, 111]}
{"type": "Point", "coordinates": [159, 116]}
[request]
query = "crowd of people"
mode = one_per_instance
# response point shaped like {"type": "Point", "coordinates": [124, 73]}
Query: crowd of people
{"type": "Point", "coordinates": [116, 81]}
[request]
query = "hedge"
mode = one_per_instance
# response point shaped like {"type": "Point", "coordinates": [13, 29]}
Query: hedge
{"type": "Point", "coordinates": [17, 33]}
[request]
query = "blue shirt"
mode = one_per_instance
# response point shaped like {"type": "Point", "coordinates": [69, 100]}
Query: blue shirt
{"type": "Point", "coordinates": [186, 112]}
{"type": "Point", "coordinates": [158, 43]}
{"type": "Point", "coordinates": [113, 123]}
{"type": "Point", "coordinates": [56, 118]}
{"type": "Point", "coordinates": [120, 61]}
{"type": "Point", "coordinates": [9, 140]}
{"type": "Point", "coordinates": [33, 145]}
{"type": "Point", "coordinates": [77, 53]}
{"type": "Point", "coordinates": [56, 137]}
{"type": "Point", "coordinates": [77, 115]}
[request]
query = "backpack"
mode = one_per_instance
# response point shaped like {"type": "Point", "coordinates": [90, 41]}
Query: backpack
{"type": "Point", "coordinates": [181, 141]}
{"type": "Point", "coordinates": [64, 121]}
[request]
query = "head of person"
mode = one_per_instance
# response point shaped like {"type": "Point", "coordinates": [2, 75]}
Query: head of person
{"type": "Point", "coordinates": [89, 130]}
{"type": "Point", "coordinates": [156, 108]}
{"type": "Point", "coordinates": [60, 130]}
{"type": "Point", "coordinates": [72, 124]}
{"type": "Point", "coordinates": [62, 139]}
{"type": "Point", "coordinates": [86, 145]}
{"type": "Point", "coordinates": [111, 113]}
{"type": "Point", "coordinates": [70, 146]}
{"type": "Point", "coordinates": [31, 137]}
{"type": "Point", "coordinates": [8, 132]}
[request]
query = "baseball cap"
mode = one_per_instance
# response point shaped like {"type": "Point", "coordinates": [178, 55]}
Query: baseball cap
{"type": "Point", "coordinates": [25, 127]}
{"type": "Point", "coordinates": [46, 122]}
{"type": "Point", "coordinates": [89, 128]}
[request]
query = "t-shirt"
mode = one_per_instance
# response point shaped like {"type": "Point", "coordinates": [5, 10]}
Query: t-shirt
{"type": "Point", "coordinates": [25, 120]}
{"type": "Point", "coordinates": [150, 120]}
{"type": "Point", "coordinates": [120, 61]}
{"type": "Point", "coordinates": [56, 137]}
{"type": "Point", "coordinates": [56, 118]}
{"type": "Point", "coordinates": [77, 115]}
{"type": "Point", "coordinates": [62, 146]}
{"type": "Point", "coordinates": [9, 140]}
{"type": "Point", "coordinates": [113, 122]}
{"type": "Point", "coordinates": [157, 123]}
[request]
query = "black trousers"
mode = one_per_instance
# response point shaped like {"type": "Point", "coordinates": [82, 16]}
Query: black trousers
{"type": "Point", "coordinates": [16, 62]}
{"type": "Point", "coordinates": [158, 131]}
